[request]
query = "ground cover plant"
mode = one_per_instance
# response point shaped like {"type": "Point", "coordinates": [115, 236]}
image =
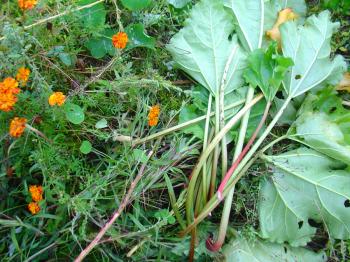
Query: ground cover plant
{"type": "Point", "coordinates": [209, 130]}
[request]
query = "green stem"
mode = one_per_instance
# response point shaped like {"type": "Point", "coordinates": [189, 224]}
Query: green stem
{"type": "Point", "coordinates": [228, 201]}
{"type": "Point", "coordinates": [240, 171]}
{"type": "Point", "coordinates": [205, 154]}
{"type": "Point", "coordinates": [182, 126]}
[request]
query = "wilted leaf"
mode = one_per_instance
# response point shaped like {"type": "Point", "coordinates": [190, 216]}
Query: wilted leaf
{"type": "Point", "coordinates": [304, 185]}
{"type": "Point", "coordinates": [203, 47]}
{"type": "Point", "coordinates": [312, 66]}
{"type": "Point", "coordinates": [260, 251]}
{"type": "Point", "coordinates": [345, 83]}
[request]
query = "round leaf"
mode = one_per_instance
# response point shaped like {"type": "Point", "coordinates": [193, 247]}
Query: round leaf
{"type": "Point", "coordinates": [101, 124]}
{"type": "Point", "coordinates": [138, 38]}
{"type": "Point", "coordinates": [74, 114]}
{"type": "Point", "coordinates": [86, 147]}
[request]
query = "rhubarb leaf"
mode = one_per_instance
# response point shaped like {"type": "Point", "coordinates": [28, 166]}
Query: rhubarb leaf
{"type": "Point", "coordinates": [305, 185]}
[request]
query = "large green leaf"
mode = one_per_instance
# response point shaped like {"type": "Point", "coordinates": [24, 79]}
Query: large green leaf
{"type": "Point", "coordinates": [93, 17]}
{"type": "Point", "coordinates": [179, 3]}
{"type": "Point", "coordinates": [138, 37]}
{"type": "Point", "coordinates": [267, 70]}
{"type": "Point", "coordinates": [260, 251]}
{"type": "Point", "coordinates": [102, 45]}
{"type": "Point", "coordinates": [204, 48]}
{"type": "Point", "coordinates": [324, 125]}
{"type": "Point", "coordinates": [309, 47]}
{"type": "Point", "coordinates": [249, 21]}
{"type": "Point", "coordinates": [305, 185]}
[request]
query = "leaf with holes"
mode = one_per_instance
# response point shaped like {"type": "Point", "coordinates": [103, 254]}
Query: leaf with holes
{"type": "Point", "coordinates": [305, 185]}
{"type": "Point", "coordinates": [324, 125]}
{"type": "Point", "coordinates": [204, 48]}
{"type": "Point", "coordinates": [243, 250]}
{"type": "Point", "coordinates": [309, 47]}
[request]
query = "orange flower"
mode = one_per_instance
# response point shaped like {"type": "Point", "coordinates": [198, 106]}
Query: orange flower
{"type": "Point", "coordinates": [8, 94]}
{"type": "Point", "coordinates": [57, 98]}
{"type": "Point", "coordinates": [17, 127]}
{"type": "Point", "coordinates": [120, 40]}
{"type": "Point", "coordinates": [33, 208]}
{"type": "Point", "coordinates": [36, 192]}
{"type": "Point", "coordinates": [23, 75]}
{"type": "Point", "coordinates": [27, 4]}
{"type": "Point", "coordinates": [153, 115]}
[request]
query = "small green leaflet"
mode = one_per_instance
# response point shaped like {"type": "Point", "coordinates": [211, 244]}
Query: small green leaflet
{"type": "Point", "coordinates": [85, 147]}
{"type": "Point", "coordinates": [267, 70]}
{"type": "Point", "coordinates": [243, 250]}
{"type": "Point", "coordinates": [304, 185]}
{"type": "Point", "coordinates": [101, 124]}
{"type": "Point", "coordinates": [313, 67]}
{"type": "Point", "coordinates": [74, 113]}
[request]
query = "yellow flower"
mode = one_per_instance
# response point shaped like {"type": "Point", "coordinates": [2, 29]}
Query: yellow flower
{"type": "Point", "coordinates": [23, 75]}
{"type": "Point", "coordinates": [36, 193]}
{"type": "Point", "coordinates": [120, 40]}
{"type": "Point", "coordinates": [33, 208]}
{"type": "Point", "coordinates": [27, 4]}
{"type": "Point", "coordinates": [17, 127]}
{"type": "Point", "coordinates": [57, 98]}
{"type": "Point", "coordinates": [153, 115]}
{"type": "Point", "coordinates": [284, 15]}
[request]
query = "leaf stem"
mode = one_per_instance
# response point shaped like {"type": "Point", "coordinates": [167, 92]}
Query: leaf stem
{"type": "Point", "coordinates": [182, 126]}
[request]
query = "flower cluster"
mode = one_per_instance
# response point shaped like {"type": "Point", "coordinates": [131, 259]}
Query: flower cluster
{"type": "Point", "coordinates": [36, 193]}
{"type": "Point", "coordinates": [120, 40]}
{"type": "Point", "coordinates": [57, 98]}
{"type": "Point", "coordinates": [153, 115]}
{"type": "Point", "coordinates": [23, 75]}
{"type": "Point", "coordinates": [8, 94]}
{"type": "Point", "coordinates": [27, 4]}
{"type": "Point", "coordinates": [17, 127]}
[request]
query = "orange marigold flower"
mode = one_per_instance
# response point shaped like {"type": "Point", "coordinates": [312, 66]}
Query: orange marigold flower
{"type": "Point", "coordinates": [23, 75]}
{"type": "Point", "coordinates": [120, 40]}
{"type": "Point", "coordinates": [153, 115]}
{"type": "Point", "coordinates": [8, 91]}
{"type": "Point", "coordinates": [27, 4]}
{"type": "Point", "coordinates": [9, 85]}
{"type": "Point", "coordinates": [57, 98]}
{"type": "Point", "coordinates": [36, 193]}
{"type": "Point", "coordinates": [17, 127]}
{"type": "Point", "coordinates": [33, 208]}
{"type": "Point", "coordinates": [7, 101]}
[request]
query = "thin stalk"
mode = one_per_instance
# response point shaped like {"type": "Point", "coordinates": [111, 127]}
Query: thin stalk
{"type": "Point", "coordinates": [182, 126]}
{"type": "Point", "coordinates": [246, 162]}
{"type": "Point", "coordinates": [210, 148]}
{"type": "Point", "coordinates": [124, 203]}
{"type": "Point", "coordinates": [214, 246]}
{"type": "Point", "coordinates": [244, 152]}
{"type": "Point", "coordinates": [205, 144]}
{"type": "Point", "coordinates": [217, 149]}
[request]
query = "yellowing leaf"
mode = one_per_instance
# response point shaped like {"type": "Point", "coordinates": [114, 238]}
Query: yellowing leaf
{"type": "Point", "coordinates": [345, 83]}
{"type": "Point", "coordinates": [284, 15]}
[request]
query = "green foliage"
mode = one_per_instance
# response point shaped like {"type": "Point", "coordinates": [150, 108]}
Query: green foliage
{"type": "Point", "coordinates": [93, 17]}
{"type": "Point", "coordinates": [267, 70]}
{"type": "Point", "coordinates": [102, 45]}
{"type": "Point", "coordinates": [85, 147]}
{"type": "Point", "coordinates": [138, 38]}
{"type": "Point", "coordinates": [203, 50]}
{"type": "Point", "coordinates": [305, 185]}
{"type": "Point", "coordinates": [136, 5]}
{"type": "Point", "coordinates": [179, 3]}
{"type": "Point", "coordinates": [74, 113]}
{"type": "Point", "coordinates": [242, 250]}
